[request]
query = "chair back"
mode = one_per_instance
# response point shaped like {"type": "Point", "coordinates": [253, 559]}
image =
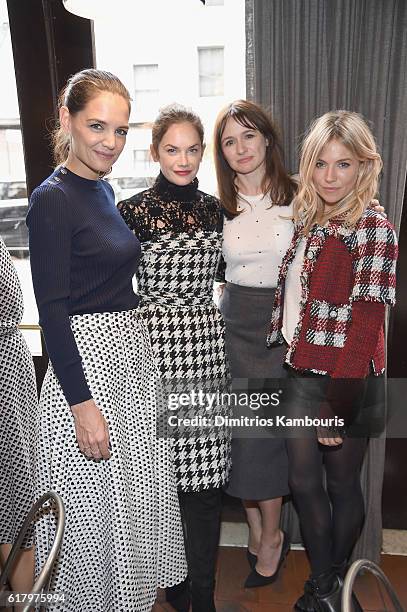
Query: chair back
{"type": "Point", "coordinates": [355, 569]}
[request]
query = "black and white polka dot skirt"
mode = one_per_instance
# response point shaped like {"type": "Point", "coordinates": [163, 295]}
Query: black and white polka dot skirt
{"type": "Point", "coordinates": [18, 420]}
{"type": "Point", "coordinates": [123, 535]}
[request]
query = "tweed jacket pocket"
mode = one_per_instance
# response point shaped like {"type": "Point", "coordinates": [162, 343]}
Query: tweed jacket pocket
{"type": "Point", "coordinates": [328, 323]}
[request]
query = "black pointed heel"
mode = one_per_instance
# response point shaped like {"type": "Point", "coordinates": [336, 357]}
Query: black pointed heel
{"type": "Point", "coordinates": [255, 579]}
{"type": "Point", "coordinates": [252, 558]}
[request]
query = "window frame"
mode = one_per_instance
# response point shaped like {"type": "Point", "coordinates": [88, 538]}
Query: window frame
{"type": "Point", "coordinates": [64, 44]}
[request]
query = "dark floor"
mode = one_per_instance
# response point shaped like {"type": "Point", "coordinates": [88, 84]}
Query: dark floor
{"type": "Point", "coordinates": [280, 597]}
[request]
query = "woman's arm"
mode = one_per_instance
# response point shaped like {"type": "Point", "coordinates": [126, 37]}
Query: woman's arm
{"type": "Point", "coordinates": [361, 341]}
{"type": "Point", "coordinates": [50, 235]}
{"type": "Point", "coordinates": [374, 256]}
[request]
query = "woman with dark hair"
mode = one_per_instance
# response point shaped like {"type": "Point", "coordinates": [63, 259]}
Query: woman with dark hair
{"type": "Point", "coordinates": [256, 193]}
{"type": "Point", "coordinates": [97, 445]}
{"type": "Point", "coordinates": [334, 284]}
{"type": "Point", "coordinates": [180, 230]}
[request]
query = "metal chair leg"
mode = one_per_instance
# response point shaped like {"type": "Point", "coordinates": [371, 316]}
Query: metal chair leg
{"type": "Point", "coordinates": [44, 576]}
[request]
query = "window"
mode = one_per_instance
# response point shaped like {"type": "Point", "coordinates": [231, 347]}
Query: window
{"type": "Point", "coordinates": [146, 91]}
{"type": "Point", "coordinates": [13, 191]}
{"type": "Point", "coordinates": [211, 71]}
{"type": "Point", "coordinates": [142, 161]}
{"type": "Point", "coordinates": [202, 72]}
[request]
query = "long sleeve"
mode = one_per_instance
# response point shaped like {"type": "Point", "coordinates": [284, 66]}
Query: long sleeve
{"type": "Point", "coordinates": [362, 338]}
{"type": "Point", "coordinates": [374, 256]}
{"type": "Point", "coordinates": [346, 386]}
{"type": "Point", "coordinates": [374, 263]}
{"type": "Point", "coordinates": [50, 236]}
{"type": "Point", "coordinates": [352, 367]}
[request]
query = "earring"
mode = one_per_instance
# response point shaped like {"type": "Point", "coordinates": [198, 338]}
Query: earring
{"type": "Point", "coordinates": [103, 174]}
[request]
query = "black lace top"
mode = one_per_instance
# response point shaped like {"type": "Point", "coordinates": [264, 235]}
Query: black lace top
{"type": "Point", "coordinates": [167, 208]}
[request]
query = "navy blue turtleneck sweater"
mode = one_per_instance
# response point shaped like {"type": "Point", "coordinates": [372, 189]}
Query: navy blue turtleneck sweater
{"type": "Point", "coordinates": [83, 258]}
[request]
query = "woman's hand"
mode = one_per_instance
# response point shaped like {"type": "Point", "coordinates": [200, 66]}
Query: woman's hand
{"type": "Point", "coordinates": [219, 290]}
{"type": "Point", "coordinates": [328, 437]}
{"type": "Point", "coordinates": [91, 430]}
{"type": "Point", "coordinates": [376, 206]}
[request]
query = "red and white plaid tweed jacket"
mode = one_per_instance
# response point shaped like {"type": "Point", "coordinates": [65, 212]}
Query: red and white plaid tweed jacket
{"type": "Point", "coordinates": [348, 277]}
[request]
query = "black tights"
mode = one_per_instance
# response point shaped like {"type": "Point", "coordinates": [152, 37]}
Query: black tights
{"type": "Point", "coordinates": [329, 534]}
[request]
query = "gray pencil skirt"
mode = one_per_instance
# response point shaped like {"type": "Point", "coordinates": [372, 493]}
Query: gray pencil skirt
{"type": "Point", "coordinates": [259, 465]}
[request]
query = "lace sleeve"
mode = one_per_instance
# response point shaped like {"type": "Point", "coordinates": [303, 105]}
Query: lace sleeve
{"type": "Point", "coordinates": [134, 214]}
{"type": "Point", "coordinates": [149, 215]}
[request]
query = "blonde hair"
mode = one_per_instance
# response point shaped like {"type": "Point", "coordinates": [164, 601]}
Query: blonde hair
{"type": "Point", "coordinates": [351, 130]}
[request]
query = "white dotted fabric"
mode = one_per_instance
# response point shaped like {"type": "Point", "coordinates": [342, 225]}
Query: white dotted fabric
{"type": "Point", "coordinates": [123, 536]}
{"type": "Point", "coordinates": [18, 407]}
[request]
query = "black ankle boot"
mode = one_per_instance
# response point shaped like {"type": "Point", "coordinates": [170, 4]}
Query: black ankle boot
{"type": "Point", "coordinates": [306, 602]}
{"type": "Point", "coordinates": [321, 594]}
{"type": "Point", "coordinates": [202, 598]}
{"type": "Point", "coordinates": [179, 596]}
{"type": "Point", "coordinates": [331, 601]}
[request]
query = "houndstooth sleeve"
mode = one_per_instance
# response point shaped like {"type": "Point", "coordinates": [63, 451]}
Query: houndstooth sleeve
{"type": "Point", "coordinates": [374, 253]}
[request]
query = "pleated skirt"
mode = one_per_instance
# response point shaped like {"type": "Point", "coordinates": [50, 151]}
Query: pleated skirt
{"type": "Point", "coordinates": [123, 535]}
{"type": "Point", "coordinates": [259, 465]}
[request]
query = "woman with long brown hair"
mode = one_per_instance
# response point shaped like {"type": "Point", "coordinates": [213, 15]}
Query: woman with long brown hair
{"type": "Point", "coordinates": [256, 193]}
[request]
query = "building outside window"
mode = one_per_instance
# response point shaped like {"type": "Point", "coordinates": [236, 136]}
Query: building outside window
{"type": "Point", "coordinates": [156, 71]}
{"type": "Point", "coordinates": [201, 65]}
{"type": "Point", "coordinates": [146, 90]}
{"type": "Point", "coordinates": [211, 71]}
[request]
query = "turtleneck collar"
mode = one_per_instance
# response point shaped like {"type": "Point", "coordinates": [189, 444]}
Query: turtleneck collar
{"type": "Point", "coordinates": [171, 192]}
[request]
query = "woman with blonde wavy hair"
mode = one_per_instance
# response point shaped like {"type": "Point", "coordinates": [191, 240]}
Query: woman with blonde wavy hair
{"type": "Point", "coordinates": [334, 283]}
{"type": "Point", "coordinates": [352, 131]}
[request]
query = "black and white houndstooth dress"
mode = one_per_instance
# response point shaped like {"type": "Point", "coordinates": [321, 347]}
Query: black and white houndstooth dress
{"type": "Point", "coordinates": [180, 230]}
{"type": "Point", "coordinates": [18, 407]}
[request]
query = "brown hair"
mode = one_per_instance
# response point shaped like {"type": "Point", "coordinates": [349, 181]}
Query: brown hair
{"type": "Point", "coordinates": [276, 181]}
{"type": "Point", "coordinates": [174, 113]}
{"type": "Point", "coordinates": [79, 90]}
{"type": "Point", "coordinates": [352, 131]}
